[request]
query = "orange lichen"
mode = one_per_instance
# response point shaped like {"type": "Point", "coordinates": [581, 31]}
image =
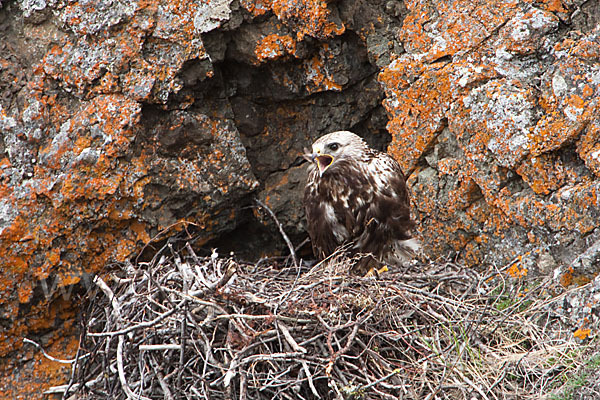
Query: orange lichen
{"type": "Point", "coordinates": [494, 121]}
{"type": "Point", "coordinates": [417, 110]}
{"type": "Point", "coordinates": [319, 77]}
{"type": "Point", "coordinates": [310, 17]}
{"type": "Point", "coordinates": [515, 271]}
{"type": "Point", "coordinates": [555, 6]}
{"type": "Point", "coordinates": [81, 208]}
{"type": "Point", "coordinates": [588, 147]}
{"type": "Point", "coordinates": [257, 7]}
{"type": "Point", "coordinates": [141, 231]}
{"type": "Point", "coordinates": [582, 333]}
{"type": "Point", "coordinates": [25, 291]}
{"type": "Point", "coordinates": [586, 49]}
{"type": "Point", "coordinates": [118, 62]}
{"type": "Point", "coordinates": [566, 279]}
{"type": "Point", "coordinates": [581, 280]}
{"type": "Point", "coordinates": [274, 46]}
{"type": "Point", "coordinates": [38, 373]}
{"type": "Point", "coordinates": [450, 166]}
{"type": "Point", "coordinates": [465, 25]}
{"type": "Point", "coordinates": [543, 173]}
{"type": "Point", "coordinates": [461, 197]}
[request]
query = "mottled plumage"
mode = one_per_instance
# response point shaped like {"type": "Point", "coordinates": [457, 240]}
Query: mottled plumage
{"type": "Point", "coordinates": [357, 196]}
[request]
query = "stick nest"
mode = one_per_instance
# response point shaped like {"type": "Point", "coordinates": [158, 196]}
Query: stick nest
{"type": "Point", "coordinates": [189, 327]}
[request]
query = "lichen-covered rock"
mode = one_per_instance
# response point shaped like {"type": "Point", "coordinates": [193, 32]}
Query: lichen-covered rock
{"type": "Point", "coordinates": [92, 171]}
{"type": "Point", "coordinates": [499, 119]}
{"type": "Point", "coordinates": [124, 122]}
{"type": "Point", "coordinates": [129, 47]}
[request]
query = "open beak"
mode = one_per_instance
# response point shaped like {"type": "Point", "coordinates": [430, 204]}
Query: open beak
{"type": "Point", "coordinates": [323, 161]}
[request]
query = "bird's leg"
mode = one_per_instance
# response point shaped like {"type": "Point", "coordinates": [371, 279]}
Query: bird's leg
{"type": "Point", "coordinates": [369, 263]}
{"type": "Point", "coordinates": [376, 272]}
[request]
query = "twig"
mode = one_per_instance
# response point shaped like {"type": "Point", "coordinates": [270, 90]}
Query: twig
{"type": "Point", "coordinates": [124, 385]}
{"type": "Point", "coordinates": [288, 337]}
{"type": "Point", "coordinates": [66, 388]}
{"type": "Point", "coordinates": [184, 270]}
{"type": "Point", "coordinates": [117, 309]}
{"type": "Point", "coordinates": [287, 240]}
{"type": "Point", "coordinates": [48, 356]}
{"type": "Point", "coordinates": [109, 294]}
{"type": "Point", "coordinates": [132, 328]}
{"type": "Point", "coordinates": [161, 379]}
{"type": "Point", "coordinates": [75, 364]}
{"type": "Point", "coordinates": [258, 317]}
{"type": "Point", "coordinates": [270, 357]}
{"type": "Point", "coordinates": [243, 385]}
{"type": "Point", "coordinates": [383, 378]}
{"type": "Point", "coordinates": [159, 347]}
{"type": "Point", "coordinates": [311, 384]}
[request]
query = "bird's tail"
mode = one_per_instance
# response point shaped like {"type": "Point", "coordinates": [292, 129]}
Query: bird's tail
{"type": "Point", "coordinates": [403, 251]}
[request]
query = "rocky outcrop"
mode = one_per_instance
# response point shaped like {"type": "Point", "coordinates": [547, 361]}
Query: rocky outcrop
{"type": "Point", "coordinates": [499, 129]}
{"type": "Point", "coordinates": [125, 122]}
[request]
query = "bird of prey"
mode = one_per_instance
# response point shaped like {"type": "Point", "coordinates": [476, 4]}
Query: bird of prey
{"type": "Point", "coordinates": [357, 197]}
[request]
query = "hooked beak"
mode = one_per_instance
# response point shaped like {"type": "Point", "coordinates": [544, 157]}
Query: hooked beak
{"type": "Point", "coordinates": [323, 161]}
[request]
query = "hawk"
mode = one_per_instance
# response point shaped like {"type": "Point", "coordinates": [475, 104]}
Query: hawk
{"type": "Point", "coordinates": [357, 197]}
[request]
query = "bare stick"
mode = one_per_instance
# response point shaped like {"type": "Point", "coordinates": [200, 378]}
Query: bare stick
{"type": "Point", "coordinates": [161, 380]}
{"type": "Point", "coordinates": [311, 384]}
{"type": "Point", "coordinates": [288, 337]}
{"type": "Point", "coordinates": [121, 370]}
{"type": "Point", "coordinates": [48, 356]}
{"type": "Point", "coordinates": [117, 309]}
{"type": "Point", "coordinates": [243, 385]}
{"type": "Point", "coordinates": [267, 332]}
{"type": "Point", "coordinates": [185, 271]}
{"type": "Point", "coordinates": [75, 365]}
{"type": "Point", "coordinates": [66, 388]}
{"type": "Point", "coordinates": [132, 328]}
{"type": "Point", "coordinates": [159, 347]}
{"type": "Point", "coordinates": [342, 351]}
{"type": "Point", "coordinates": [254, 317]}
{"type": "Point", "coordinates": [287, 240]}
{"type": "Point", "coordinates": [296, 347]}
{"type": "Point", "coordinates": [383, 378]}
{"type": "Point", "coordinates": [109, 293]}
{"type": "Point", "coordinates": [225, 278]}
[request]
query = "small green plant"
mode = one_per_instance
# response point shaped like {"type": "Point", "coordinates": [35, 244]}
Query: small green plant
{"type": "Point", "coordinates": [594, 361]}
{"type": "Point", "coordinates": [577, 379]}
{"type": "Point", "coordinates": [504, 303]}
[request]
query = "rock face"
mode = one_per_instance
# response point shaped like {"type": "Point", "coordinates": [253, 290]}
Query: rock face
{"type": "Point", "coordinates": [124, 122]}
{"type": "Point", "coordinates": [498, 128]}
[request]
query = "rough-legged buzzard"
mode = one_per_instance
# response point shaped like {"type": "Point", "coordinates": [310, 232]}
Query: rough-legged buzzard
{"type": "Point", "coordinates": [357, 197]}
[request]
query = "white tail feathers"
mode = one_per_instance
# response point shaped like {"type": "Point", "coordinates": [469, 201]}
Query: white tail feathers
{"type": "Point", "coordinates": [413, 244]}
{"type": "Point", "coordinates": [403, 251]}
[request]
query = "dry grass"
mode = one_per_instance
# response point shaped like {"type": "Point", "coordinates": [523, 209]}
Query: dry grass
{"type": "Point", "coordinates": [186, 327]}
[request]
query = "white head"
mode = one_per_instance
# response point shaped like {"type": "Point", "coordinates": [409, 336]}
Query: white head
{"type": "Point", "coordinates": [334, 147]}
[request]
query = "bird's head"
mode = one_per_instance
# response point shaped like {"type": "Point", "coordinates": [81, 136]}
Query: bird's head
{"type": "Point", "coordinates": [329, 150]}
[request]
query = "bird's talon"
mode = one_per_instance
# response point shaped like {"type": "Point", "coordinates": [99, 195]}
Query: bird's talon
{"type": "Point", "coordinates": [370, 273]}
{"type": "Point", "coordinates": [383, 269]}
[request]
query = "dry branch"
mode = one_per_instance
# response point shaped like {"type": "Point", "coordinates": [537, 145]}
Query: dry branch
{"type": "Point", "coordinates": [287, 240]}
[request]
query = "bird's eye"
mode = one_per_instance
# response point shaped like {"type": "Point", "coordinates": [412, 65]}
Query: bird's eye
{"type": "Point", "coordinates": [333, 146]}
